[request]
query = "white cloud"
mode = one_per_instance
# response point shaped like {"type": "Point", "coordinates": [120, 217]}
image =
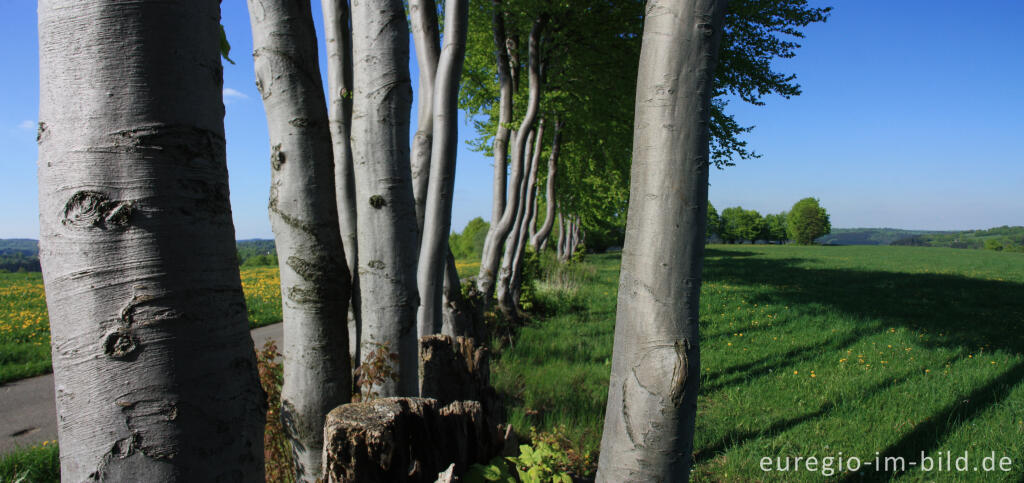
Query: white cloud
{"type": "Point", "coordinates": [27, 125]}
{"type": "Point", "coordinates": [231, 94]}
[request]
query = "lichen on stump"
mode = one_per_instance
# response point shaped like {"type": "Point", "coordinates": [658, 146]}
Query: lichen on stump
{"type": "Point", "coordinates": [405, 440]}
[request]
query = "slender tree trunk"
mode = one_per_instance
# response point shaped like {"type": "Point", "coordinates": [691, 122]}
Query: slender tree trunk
{"type": "Point", "coordinates": [438, 212]}
{"type": "Point", "coordinates": [500, 147]}
{"type": "Point", "coordinates": [652, 395]}
{"type": "Point", "coordinates": [560, 249]}
{"type": "Point", "coordinates": [423, 20]}
{"type": "Point", "coordinates": [499, 231]}
{"type": "Point", "coordinates": [541, 237]}
{"type": "Point", "coordinates": [151, 346]}
{"type": "Point", "coordinates": [315, 283]}
{"type": "Point", "coordinates": [339, 88]}
{"type": "Point", "coordinates": [387, 231]}
{"type": "Point", "coordinates": [503, 287]}
{"type": "Point", "coordinates": [516, 279]}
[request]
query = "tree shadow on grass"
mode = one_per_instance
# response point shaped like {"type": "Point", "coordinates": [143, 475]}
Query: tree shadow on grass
{"type": "Point", "coordinates": [967, 312]}
{"type": "Point", "coordinates": [949, 311]}
{"type": "Point", "coordinates": [928, 436]}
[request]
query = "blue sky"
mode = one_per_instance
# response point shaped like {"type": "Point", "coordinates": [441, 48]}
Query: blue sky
{"type": "Point", "coordinates": [912, 116]}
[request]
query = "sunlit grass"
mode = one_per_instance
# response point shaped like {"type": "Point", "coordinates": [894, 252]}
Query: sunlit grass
{"type": "Point", "coordinates": [811, 351]}
{"type": "Point", "coordinates": [31, 464]}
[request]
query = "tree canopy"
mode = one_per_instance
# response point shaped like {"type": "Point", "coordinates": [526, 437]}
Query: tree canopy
{"type": "Point", "coordinates": [807, 221]}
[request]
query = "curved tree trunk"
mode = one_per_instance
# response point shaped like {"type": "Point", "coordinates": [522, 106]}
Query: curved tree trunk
{"type": "Point", "coordinates": [423, 20]}
{"type": "Point", "coordinates": [339, 88]}
{"type": "Point", "coordinates": [499, 231]}
{"type": "Point", "coordinates": [438, 211]}
{"type": "Point", "coordinates": [315, 284]}
{"type": "Point", "coordinates": [501, 136]}
{"type": "Point", "coordinates": [539, 239]}
{"type": "Point", "coordinates": [560, 248]}
{"type": "Point", "coordinates": [503, 290]}
{"type": "Point", "coordinates": [652, 395]}
{"type": "Point", "coordinates": [151, 346]}
{"type": "Point", "coordinates": [385, 210]}
{"type": "Point", "coordinates": [516, 279]}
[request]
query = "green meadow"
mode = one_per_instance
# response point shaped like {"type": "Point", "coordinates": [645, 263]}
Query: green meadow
{"type": "Point", "coordinates": [863, 351]}
{"type": "Point", "coordinates": [873, 353]}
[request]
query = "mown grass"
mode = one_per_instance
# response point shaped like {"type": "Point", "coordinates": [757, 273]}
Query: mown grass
{"type": "Point", "coordinates": [25, 327]}
{"type": "Point", "coordinates": [811, 351]}
{"type": "Point", "coordinates": [31, 464]}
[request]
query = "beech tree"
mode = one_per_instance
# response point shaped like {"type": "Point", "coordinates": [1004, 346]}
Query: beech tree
{"type": "Point", "coordinates": [154, 367]}
{"type": "Point", "coordinates": [315, 280]}
{"type": "Point", "coordinates": [807, 221]}
{"type": "Point", "coordinates": [652, 395]}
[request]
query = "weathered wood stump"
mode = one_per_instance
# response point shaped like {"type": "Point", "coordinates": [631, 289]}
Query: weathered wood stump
{"type": "Point", "coordinates": [405, 440]}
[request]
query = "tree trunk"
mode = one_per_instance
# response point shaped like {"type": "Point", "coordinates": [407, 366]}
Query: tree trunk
{"type": "Point", "coordinates": [423, 20]}
{"type": "Point", "coordinates": [652, 395]}
{"type": "Point", "coordinates": [500, 229]}
{"type": "Point", "coordinates": [438, 211]}
{"type": "Point", "coordinates": [385, 210]}
{"type": "Point", "coordinates": [516, 279]}
{"type": "Point", "coordinates": [500, 147]}
{"type": "Point", "coordinates": [560, 249]}
{"type": "Point", "coordinates": [315, 283]}
{"type": "Point", "coordinates": [455, 321]}
{"type": "Point", "coordinates": [541, 237]}
{"type": "Point", "coordinates": [503, 292]}
{"type": "Point", "coordinates": [339, 88]}
{"type": "Point", "coordinates": [151, 346]}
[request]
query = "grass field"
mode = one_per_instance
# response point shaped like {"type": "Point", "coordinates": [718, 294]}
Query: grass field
{"type": "Point", "coordinates": [811, 351]}
{"type": "Point", "coordinates": [864, 352]}
{"type": "Point", "coordinates": [25, 328]}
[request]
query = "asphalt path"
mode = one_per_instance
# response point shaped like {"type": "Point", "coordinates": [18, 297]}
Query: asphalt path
{"type": "Point", "coordinates": [28, 410]}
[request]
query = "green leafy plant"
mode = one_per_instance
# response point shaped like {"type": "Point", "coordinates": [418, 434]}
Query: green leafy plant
{"type": "Point", "coordinates": [377, 368]}
{"type": "Point", "coordinates": [546, 461]}
{"type": "Point", "coordinates": [276, 447]}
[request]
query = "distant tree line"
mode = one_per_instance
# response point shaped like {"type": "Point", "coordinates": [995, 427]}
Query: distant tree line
{"type": "Point", "coordinates": [803, 223]}
{"type": "Point", "coordinates": [1003, 238]}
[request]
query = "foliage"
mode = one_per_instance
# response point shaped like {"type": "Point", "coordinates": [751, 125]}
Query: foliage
{"type": "Point", "coordinates": [713, 223]}
{"type": "Point", "coordinates": [469, 245]}
{"type": "Point", "coordinates": [775, 227]}
{"type": "Point", "coordinates": [547, 459]}
{"type": "Point", "coordinates": [870, 236]}
{"type": "Point", "coordinates": [767, 311]}
{"type": "Point", "coordinates": [33, 464]}
{"type": "Point", "coordinates": [807, 221]}
{"type": "Point", "coordinates": [256, 253]}
{"type": "Point", "coordinates": [277, 450]}
{"type": "Point", "coordinates": [738, 225]}
{"type": "Point", "coordinates": [378, 367]}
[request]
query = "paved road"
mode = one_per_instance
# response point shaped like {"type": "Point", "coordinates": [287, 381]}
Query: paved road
{"type": "Point", "coordinates": [28, 411]}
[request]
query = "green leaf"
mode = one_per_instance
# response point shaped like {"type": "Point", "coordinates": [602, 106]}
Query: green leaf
{"type": "Point", "coordinates": [225, 47]}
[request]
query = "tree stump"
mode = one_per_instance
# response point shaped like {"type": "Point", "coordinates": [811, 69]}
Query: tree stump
{"type": "Point", "coordinates": [405, 440]}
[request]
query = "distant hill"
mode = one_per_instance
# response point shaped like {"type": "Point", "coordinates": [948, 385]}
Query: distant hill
{"type": "Point", "coordinates": [1004, 238]}
{"type": "Point", "coordinates": [870, 236]}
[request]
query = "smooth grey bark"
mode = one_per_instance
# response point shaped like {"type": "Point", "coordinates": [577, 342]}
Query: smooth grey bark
{"type": "Point", "coordinates": [454, 322]}
{"type": "Point", "coordinates": [652, 395]}
{"type": "Point", "coordinates": [499, 230]}
{"type": "Point", "coordinates": [540, 238]}
{"type": "Point", "coordinates": [149, 331]}
{"type": "Point", "coordinates": [560, 248]}
{"type": "Point", "coordinates": [388, 236]}
{"type": "Point", "coordinates": [423, 20]}
{"type": "Point", "coordinates": [315, 283]}
{"type": "Point", "coordinates": [516, 278]}
{"type": "Point", "coordinates": [503, 290]}
{"type": "Point", "coordinates": [501, 135]}
{"type": "Point", "coordinates": [338, 38]}
{"type": "Point", "coordinates": [437, 220]}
